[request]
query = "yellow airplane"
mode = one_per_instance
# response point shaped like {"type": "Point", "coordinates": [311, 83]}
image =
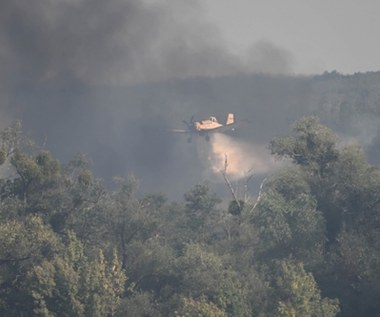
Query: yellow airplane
{"type": "Point", "coordinates": [204, 127]}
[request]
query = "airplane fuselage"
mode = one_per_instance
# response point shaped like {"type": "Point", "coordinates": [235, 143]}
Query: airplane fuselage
{"type": "Point", "coordinates": [204, 127]}
{"type": "Point", "coordinates": [207, 125]}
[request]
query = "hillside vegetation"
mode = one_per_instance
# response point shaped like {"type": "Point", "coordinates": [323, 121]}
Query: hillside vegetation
{"type": "Point", "coordinates": [308, 246]}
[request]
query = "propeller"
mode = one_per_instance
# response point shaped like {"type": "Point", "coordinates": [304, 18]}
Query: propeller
{"type": "Point", "coordinates": [189, 124]}
{"type": "Point", "coordinates": [190, 127]}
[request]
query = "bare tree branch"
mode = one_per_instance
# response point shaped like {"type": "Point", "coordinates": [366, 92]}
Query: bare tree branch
{"type": "Point", "coordinates": [224, 173]}
{"type": "Point", "coordinates": [259, 196]}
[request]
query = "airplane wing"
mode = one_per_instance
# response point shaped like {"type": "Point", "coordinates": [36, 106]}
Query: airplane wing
{"type": "Point", "coordinates": [180, 131]}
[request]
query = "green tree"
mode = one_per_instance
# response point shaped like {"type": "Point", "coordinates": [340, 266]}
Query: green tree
{"type": "Point", "coordinates": [11, 139]}
{"type": "Point", "coordinates": [139, 304]}
{"type": "Point", "coordinates": [70, 284]}
{"type": "Point", "coordinates": [202, 274]}
{"type": "Point", "coordinates": [198, 308]}
{"type": "Point", "coordinates": [84, 205]}
{"type": "Point", "coordinates": [346, 190]}
{"type": "Point", "coordinates": [299, 294]}
{"type": "Point", "coordinates": [200, 206]}
{"type": "Point", "coordinates": [287, 219]}
{"type": "Point", "coordinates": [352, 272]}
{"type": "Point", "coordinates": [312, 146]}
{"type": "Point", "coordinates": [38, 181]}
{"type": "Point", "coordinates": [23, 244]}
{"type": "Point", "coordinates": [131, 219]}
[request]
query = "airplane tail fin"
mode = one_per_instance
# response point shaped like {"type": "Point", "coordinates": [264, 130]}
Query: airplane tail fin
{"type": "Point", "coordinates": [230, 119]}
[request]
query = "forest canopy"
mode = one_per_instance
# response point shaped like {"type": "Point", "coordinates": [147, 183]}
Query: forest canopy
{"type": "Point", "coordinates": [308, 245]}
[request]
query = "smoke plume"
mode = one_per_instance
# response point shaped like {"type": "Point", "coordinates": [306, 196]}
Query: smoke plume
{"type": "Point", "coordinates": [114, 42]}
{"type": "Point", "coordinates": [110, 78]}
{"type": "Point", "coordinates": [237, 158]}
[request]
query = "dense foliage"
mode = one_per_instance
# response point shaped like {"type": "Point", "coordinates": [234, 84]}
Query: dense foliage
{"type": "Point", "coordinates": [310, 246]}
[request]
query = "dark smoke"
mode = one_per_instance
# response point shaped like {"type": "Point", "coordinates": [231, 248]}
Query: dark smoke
{"type": "Point", "coordinates": [111, 78]}
{"type": "Point", "coordinates": [114, 42]}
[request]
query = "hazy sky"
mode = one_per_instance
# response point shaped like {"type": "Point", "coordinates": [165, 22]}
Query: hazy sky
{"type": "Point", "coordinates": [340, 35]}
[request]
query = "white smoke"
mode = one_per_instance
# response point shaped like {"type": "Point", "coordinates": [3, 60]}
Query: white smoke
{"type": "Point", "coordinates": [242, 158]}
